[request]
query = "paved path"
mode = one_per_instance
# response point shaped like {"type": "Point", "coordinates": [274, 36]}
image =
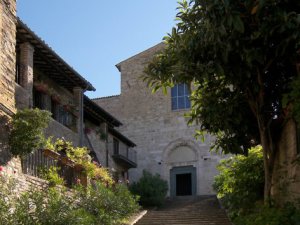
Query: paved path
{"type": "Point", "coordinates": [187, 211]}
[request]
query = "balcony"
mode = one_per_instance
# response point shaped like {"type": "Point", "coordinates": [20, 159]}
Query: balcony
{"type": "Point", "coordinates": [126, 157]}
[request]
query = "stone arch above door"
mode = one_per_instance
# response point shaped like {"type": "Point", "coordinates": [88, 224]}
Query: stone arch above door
{"type": "Point", "coordinates": [181, 150]}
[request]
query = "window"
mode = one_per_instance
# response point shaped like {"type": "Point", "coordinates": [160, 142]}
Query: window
{"type": "Point", "coordinates": [180, 97]}
{"type": "Point", "coordinates": [59, 113]}
{"type": "Point", "coordinates": [116, 147]}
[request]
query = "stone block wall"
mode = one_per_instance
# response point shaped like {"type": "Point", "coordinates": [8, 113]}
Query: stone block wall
{"type": "Point", "coordinates": [157, 130]}
{"type": "Point", "coordinates": [7, 54]}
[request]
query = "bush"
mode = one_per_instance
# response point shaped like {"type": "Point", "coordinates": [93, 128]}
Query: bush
{"type": "Point", "coordinates": [241, 182]}
{"type": "Point", "coordinates": [27, 128]}
{"type": "Point", "coordinates": [151, 189]}
{"type": "Point", "coordinates": [97, 205]}
{"type": "Point", "coordinates": [264, 215]}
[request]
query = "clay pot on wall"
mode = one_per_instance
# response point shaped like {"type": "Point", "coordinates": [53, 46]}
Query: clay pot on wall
{"type": "Point", "coordinates": [51, 154]}
{"type": "Point", "coordinates": [41, 87]}
{"type": "Point", "coordinates": [67, 161]}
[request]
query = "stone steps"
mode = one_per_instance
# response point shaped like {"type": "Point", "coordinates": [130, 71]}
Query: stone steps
{"type": "Point", "coordinates": [199, 211]}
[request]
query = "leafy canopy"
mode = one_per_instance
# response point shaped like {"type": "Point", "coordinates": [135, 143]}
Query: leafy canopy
{"type": "Point", "coordinates": [240, 56]}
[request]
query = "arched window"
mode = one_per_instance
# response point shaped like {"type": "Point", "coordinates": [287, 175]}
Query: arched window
{"type": "Point", "coordinates": [180, 97]}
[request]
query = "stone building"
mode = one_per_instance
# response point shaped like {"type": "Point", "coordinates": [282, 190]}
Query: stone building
{"type": "Point", "coordinates": [156, 123]}
{"type": "Point", "coordinates": [32, 75]}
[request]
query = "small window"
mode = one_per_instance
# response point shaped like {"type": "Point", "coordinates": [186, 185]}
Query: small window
{"type": "Point", "coordinates": [116, 146]}
{"type": "Point", "coordinates": [41, 101]}
{"type": "Point", "coordinates": [180, 97]}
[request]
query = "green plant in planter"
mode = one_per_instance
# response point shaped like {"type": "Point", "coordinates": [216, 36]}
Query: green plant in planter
{"type": "Point", "coordinates": [27, 131]}
{"type": "Point", "coordinates": [52, 176]}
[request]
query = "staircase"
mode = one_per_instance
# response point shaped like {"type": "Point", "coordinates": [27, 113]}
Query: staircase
{"type": "Point", "coordinates": [204, 210]}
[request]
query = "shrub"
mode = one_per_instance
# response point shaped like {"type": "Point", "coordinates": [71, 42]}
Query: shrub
{"type": "Point", "coordinates": [27, 128]}
{"type": "Point", "coordinates": [241, 181]}
{"type": "Point", "coordinates": [265, 215]}
{"type": "Point", "coordinates": [97, 205]}
{"type": "Point", "coordinates": [151, 189]}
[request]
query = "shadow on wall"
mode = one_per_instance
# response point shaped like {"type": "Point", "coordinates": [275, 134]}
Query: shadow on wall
{"type": "Point", "coordinates": [5, 155]}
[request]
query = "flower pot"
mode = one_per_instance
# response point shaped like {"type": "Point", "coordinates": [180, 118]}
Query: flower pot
{"type": "Point", "coordinates": [55, 98]}
{"type": "Point", "coordinates": [51, 154]}
{"type": "Point", "coordinates": [41, 87]}
{"type": "Point", "coordinates": [78, 167]}
{"type": "Point", "coordinates": [66, 161]}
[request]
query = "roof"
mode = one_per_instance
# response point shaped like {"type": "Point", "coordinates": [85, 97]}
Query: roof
{"type": "Point", "coordinates": [50, 62]}
{"type": "Point", "coordinates": [97, 113]}
{"type": "Point", "coordinates": [121, 137]}
{"type": "Point", "coordinates": [158, 46]}
{"type": "Point", "coordinates": [104, 97]}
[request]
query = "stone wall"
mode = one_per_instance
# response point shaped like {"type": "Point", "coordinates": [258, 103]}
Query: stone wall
{"type": "Point", "coordinates": [286, 175]}
{"type": "Point", "coordinates": [7, 81]}
{"type": "Point", "coordinates": [7, 54]}
{"type": "Point", "coordinates": [149, 121]}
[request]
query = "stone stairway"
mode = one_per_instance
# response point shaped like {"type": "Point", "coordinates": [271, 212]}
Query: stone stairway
{"type": "Point", "coordinates": [202, 210]}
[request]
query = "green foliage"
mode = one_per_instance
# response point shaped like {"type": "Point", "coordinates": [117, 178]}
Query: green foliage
{"type": "Point", "coordinates": [97, 205]}
{"type": "Point", "coordinates": [241, 182]}
{"type": "Point", "coordinates": [265, 215]}
{"type": "Point", "coordinates": [79, 155]}
{"type": "Point", "coordinates": [151, 189]}
{"type": "Point", "coordinates": [27, 131]}
{"type": "Point", "coordinates": [108, 206]}
{"type": "Point", "coordinates": [52, 176]}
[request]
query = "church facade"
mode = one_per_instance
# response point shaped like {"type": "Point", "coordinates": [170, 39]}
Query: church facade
{"type": "Point", "coordinates": [156, 123]}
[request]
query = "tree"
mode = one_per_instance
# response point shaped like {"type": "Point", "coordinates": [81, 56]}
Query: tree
{"type": "Point", "coordinates": [241, 57]}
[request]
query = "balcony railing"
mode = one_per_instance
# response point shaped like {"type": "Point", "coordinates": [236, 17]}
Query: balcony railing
{"type": "Point", "coordinates": [126, 157]}
{"type": "Point", "coordinates": [35, 163]}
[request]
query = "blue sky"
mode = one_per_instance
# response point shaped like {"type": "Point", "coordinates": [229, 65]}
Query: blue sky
{"type": "Point", "coordinates": [94, 35]}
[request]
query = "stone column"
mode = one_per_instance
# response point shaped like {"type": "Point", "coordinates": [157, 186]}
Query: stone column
{"type": "Point", "coordinates": [26, 69]}
{"type": "Point", "coordinates": [78, 101]}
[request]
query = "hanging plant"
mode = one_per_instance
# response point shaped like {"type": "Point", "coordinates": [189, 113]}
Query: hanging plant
{"type": "Point", "coordinates": [56, 98]}
{"type": "Point", "coordinates": [41, 87]}
{"type": "Point", "coordinates": [87, 130]}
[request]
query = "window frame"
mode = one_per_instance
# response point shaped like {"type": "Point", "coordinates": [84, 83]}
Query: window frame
{"type": "Point", "coordinates": [180, 93]}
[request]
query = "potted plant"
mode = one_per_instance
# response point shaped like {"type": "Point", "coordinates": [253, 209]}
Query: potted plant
{"type": "Point", "coordinates": [41, 87]}
{"type": "Point", "coordinates": [78, 167]}
{"type": "Point", "coordinates": [55, 98]}
{"type": "Point", "coordinates": [49, 149]}
{"type": "Point", "coordinates": [51, 154]}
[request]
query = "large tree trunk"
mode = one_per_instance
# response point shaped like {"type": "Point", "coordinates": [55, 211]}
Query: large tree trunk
{"type": "Point", "coordinates": [269, 150]}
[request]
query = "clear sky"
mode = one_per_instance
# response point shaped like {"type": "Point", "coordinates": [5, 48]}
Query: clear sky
{"type": "Point", "coordinates": [93, 36]}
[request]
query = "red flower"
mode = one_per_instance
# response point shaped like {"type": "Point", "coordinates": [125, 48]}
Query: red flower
{"type": "Point", "coordinates": [78, 181]}
{"type": "Point", "coordinates": [1, 168]}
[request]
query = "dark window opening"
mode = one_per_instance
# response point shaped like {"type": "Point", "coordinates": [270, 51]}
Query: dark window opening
{"type": "Point", "coordinates": [59, 113]}
{"type": "Point", "coordinates": [18, 69]}
{"type": "Point", "coordinates": [184, 184]}
{"type": "Point", "coordinates": [116, 146]}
